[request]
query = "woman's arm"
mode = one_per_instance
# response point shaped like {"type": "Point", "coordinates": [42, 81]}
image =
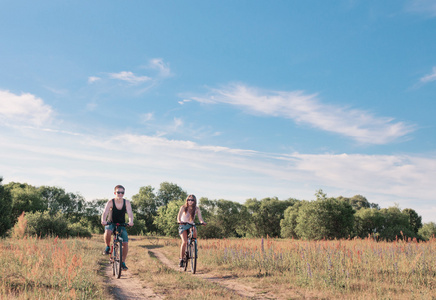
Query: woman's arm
{"type": "Point", "coordinates": [199, 215]}
{"type": "Point", "coordinates": [179, 216]}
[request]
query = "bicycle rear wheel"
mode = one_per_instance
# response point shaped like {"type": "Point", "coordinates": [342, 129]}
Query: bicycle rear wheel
{"type": "Point", "coordinates": [193, 257]}
{"type": "Point", "coordinates": [118, 257]}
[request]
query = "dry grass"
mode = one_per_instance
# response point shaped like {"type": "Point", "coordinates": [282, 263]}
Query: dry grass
{"type": "Point", "coordinates": [350, 269]}
{"type": "Point", "coordinates": [165, 281]}
{"type": "Point", "coordinates": [34, 268]}
{"type": "Point", "coordinates": [50, 268]}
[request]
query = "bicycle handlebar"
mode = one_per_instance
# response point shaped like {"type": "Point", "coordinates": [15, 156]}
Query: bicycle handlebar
{"type": "Point", "coordinates": [118, 224]}
{"type": "Point", "coordinates": [193, 224]}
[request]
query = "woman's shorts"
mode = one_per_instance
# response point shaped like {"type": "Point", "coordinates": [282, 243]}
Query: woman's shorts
{"type": "Point", "coordinates": [122, 229]}
{"type": "Point", "coordinates": [184, 227]}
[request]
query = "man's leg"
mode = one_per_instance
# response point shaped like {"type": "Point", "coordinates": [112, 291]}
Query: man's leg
{"type": "Point", "coordinates": [125, 250]}
{"type": "Point", "coordinates": [107, 240]}
{"type": "Point", "coordinates": [107, 237]}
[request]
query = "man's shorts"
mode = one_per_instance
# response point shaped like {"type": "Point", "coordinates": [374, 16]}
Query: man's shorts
{"type": "Point", "coordinates": [122, 229]}
{"type": "Point", "coordinates": [184, 227]}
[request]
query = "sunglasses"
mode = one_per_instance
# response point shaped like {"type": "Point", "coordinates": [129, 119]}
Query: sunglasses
{"type": "Point", "coordinates": [120, 192]}
{"type": "Point", "coordinates": [191, 200]}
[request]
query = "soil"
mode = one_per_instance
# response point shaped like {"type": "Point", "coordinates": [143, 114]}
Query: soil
{"type": "Point", "coordinates": [130, 287]}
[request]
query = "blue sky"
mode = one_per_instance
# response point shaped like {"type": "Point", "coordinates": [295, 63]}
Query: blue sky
{"type": "Point", "coordinates": [228, 99]}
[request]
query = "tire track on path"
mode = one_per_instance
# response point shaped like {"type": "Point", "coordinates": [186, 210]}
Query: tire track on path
{"type": "Point", "coordinates": [128, 286]}
{"type": "Point", "coordinates": [227, 282]}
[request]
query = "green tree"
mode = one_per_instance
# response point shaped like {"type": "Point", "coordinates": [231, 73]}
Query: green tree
{"type": "Point", "coordinates": [395, 224]}
{"type": "Point", "coordinates": [325, 218]}
{"type": "Point", "coordinates": [415, 220]}
{"type": "Point", "coordinates": [368, 221]}
{"type": "Point", "coordinates": [223, 218]}
{"type": "Point", "coordinates": [25, 198]}
{"type": "Point", "coordinates": [289, 223]}
{"type": "Point", "coordinates": [166, 219]}
{"type": "Point", "coordinates": [265, 216]}
{"type": "Point", "coordinates": [168, 192]}
{"type": "Point", "coordinates": [428, 230]}
{"type": "Point", "coordinates": [5, 209]}
{"type": "Point", "coordinates": [91, 216]}
{"type": "Point", "coordinates": [357, 201]}
{"type": "Point", "coordinates": [70, 204]}
{"type": "Point", "coordinates": [145, 205]}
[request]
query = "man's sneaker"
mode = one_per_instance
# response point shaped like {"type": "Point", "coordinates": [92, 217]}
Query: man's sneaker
{"type": "Point", "coordinates": [107, 250]}
{"type": "Point", "coordinates": [123, 266]}
{"type": "Point", "coordinates": [181, 263]}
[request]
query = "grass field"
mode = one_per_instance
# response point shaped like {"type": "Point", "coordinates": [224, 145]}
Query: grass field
{"type": "Point", "coordinates": [35, 268]}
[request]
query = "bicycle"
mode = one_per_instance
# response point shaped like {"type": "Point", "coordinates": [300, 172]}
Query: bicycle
{"type": "Point", "coordinates": [191, 252]}
{"type": "Point", "coordinates": [116, 252]}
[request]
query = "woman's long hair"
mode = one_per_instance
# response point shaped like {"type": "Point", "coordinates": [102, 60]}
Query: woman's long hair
{"type": "Point", "coordinates": [191, 209]}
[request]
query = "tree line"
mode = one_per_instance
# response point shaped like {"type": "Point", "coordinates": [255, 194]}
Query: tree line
{"type": "Point", "coordinates": [53, 211]}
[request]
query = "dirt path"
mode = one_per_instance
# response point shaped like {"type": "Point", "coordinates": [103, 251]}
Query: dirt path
{"type": "Point", "coordinates": [226, 281]}
{"type": "Point", "coordinates": [128, 286]}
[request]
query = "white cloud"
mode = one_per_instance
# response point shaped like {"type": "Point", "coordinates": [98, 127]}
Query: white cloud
{"type": "Point", "coordinates": [307, 109]}
{"type": "Point", "coordinates": [24, 109]}
{"type": "Point", "coordinates": [425, 7]}
{"type": "Point", "coordinates": [430, 77]}
{"type": "Point", "coordinates": [85, 163]}
{"type": "Point", "coordinates": [178, 122]}
{"type": "Point", "coordinates": [129, 77]}
{"type": "Point", "coordinates": [161, 66]}
{"type": "Point", "coordinates": [147, 117]}
{"type": "Point", "coordinates": [93, 79]}
{"type": "Point", "coordinates": [184, 101]}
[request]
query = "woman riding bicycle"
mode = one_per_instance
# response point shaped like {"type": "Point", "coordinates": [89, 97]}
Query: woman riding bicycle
{"type": "Point", "coordinates": [186, 217]}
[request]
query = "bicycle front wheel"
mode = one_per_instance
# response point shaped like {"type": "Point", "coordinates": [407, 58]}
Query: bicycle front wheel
{"type": "Point", "coordinates": [112, 260]}
{"type": "Point", "coordinates": [118, 257]}
{"type": "Point", "coordinates": [193, 257]}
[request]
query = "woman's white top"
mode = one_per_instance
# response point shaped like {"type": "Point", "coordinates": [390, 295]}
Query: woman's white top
{"type": "Point", "coordinates": [186, 217]}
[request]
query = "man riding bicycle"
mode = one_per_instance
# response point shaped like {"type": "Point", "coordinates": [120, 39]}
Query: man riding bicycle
{"type": "Point", "coordinates": [118, 207]}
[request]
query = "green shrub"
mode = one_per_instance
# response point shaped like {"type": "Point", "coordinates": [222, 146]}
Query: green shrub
{"type": "Point", "coordinates": [44, 224]}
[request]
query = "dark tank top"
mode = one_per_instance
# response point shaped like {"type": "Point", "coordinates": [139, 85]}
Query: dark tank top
{"type": "Point", "coordinates": [118, 216]}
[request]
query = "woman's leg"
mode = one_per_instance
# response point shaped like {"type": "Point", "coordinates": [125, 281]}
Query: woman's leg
{"type": "Point", "coordinates": [184, 237]}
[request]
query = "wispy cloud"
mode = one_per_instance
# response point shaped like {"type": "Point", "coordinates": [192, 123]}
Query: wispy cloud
{"type": "Point", "coordinates": [93, 79]}
{"type": "Point", "coordinates": [162, 67]}
{"type": "Point", "coordinates": [146, 117]}
{"type": "Point", "coordinates": [360, 125]}
{"type": "Point", "coordinates": [24, 109]}
{"type": "Point", "coordinates": [129, 77]}
{"type": "Point", "coordinates": [430, 77]}
{"type": "Point", "coordinates": [215, 171]}
{"type": "Point", "coordinates": [425, 7]}
{"type": "Point", "coordinates": [132, 82]}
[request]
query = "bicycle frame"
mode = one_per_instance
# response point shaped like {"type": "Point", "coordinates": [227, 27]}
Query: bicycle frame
{"type": "Point", "coordinates": [116, 251]}
{"type": "Point", "coordinates": [191, 251]}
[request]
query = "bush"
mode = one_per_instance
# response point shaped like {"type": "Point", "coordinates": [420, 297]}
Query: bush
{"type": "Point", "coordinates": [428, 230]}
{"type": "Point", "coordinates": [43, 224]}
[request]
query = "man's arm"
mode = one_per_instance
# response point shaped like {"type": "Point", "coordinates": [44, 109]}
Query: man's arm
{"type": "Point", "coordinates": [105, 213]}
{"type": "Point", "coordinates": [129, 212]}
